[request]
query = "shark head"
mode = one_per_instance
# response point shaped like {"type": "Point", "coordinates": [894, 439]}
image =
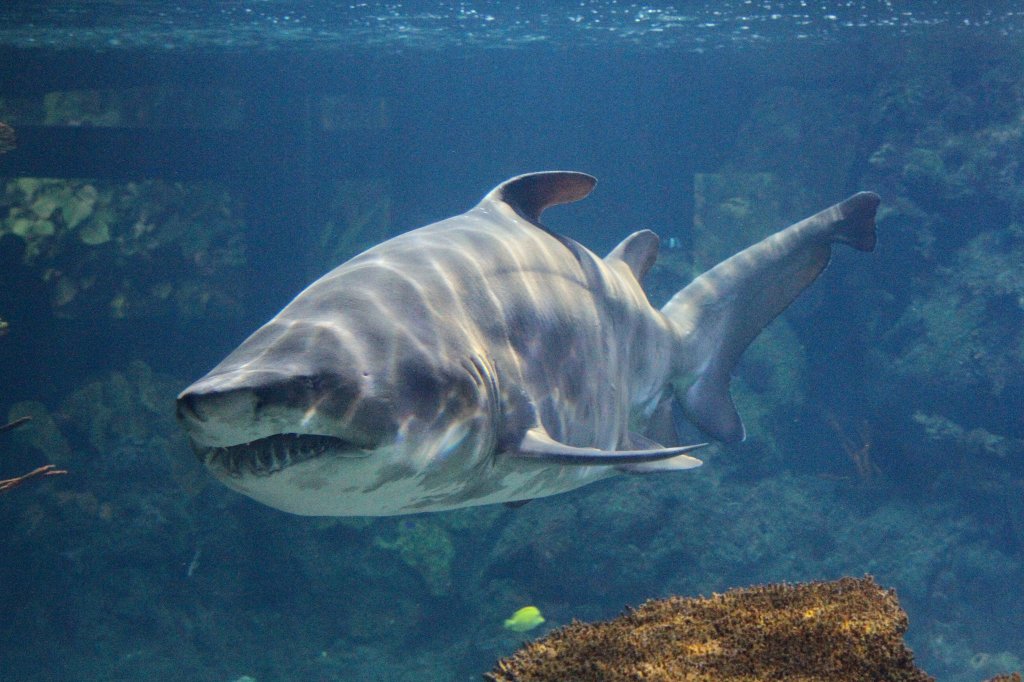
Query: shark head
{"type": "Point", "coordinates": [328, 414]}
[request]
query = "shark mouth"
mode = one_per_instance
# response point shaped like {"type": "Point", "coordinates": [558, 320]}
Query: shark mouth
{"type": "Point", "coordinates": [266, 456]}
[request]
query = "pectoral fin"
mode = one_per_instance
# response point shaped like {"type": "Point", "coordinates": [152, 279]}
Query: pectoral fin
{"type": "Point", "coordinates": [539, 446]}
{"type": "Point", "coordinates": [677, 463]}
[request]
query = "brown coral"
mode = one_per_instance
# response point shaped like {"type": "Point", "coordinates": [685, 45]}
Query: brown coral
{"type": "Point", "coordinates": [46, 470]}
{"type": "Point", "coordinates": [846, 630]}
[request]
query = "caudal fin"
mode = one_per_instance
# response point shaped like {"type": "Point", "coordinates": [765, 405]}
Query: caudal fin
{"type": "Point", "coordinates": [722, 311]}
{"type": "Point", "coordinates": [856, 227]}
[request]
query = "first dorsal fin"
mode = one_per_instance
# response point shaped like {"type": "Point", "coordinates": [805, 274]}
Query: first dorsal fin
{"type": "Point", "coordinates": [638, 251]}
{"type": "Point", "coordinates": [530, 194]}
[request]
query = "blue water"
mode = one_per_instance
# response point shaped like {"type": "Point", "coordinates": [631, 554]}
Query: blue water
{"type": "Point", "coordinates": [203, 165]}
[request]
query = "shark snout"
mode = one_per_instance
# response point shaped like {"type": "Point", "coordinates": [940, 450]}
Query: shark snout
{"type": "Point", "coordinates": [220, 418]}
{"type": "Point", "coordinates": [227, 408]}
{"type": "Point", "coordinates": [232, 407]}
{"type": "Point", "coordinates": [195, 409]}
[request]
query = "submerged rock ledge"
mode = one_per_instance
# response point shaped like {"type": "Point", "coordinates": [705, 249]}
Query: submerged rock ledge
{"type": "Point", "coordinates": [844, 630]}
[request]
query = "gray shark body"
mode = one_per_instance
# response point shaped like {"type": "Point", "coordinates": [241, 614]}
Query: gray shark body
{"type": "Point", "coordinates": [484, 359]}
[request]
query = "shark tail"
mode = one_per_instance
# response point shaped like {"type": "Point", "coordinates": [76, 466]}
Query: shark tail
{"type": "Point", "coordinates": [721, 312]}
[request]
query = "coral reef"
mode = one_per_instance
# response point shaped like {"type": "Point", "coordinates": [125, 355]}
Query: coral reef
{"type": "Point", "coordinates": [735, 209]}
{"type": "Point", "coordinates": [149, 107]}
{"type": "Point", "coordinates": [171, 107]}
{"type": "Point", "coordinates": [358, 216]}
{"type": "Point", "coordinates": [969, 442]}
{"type": "Point", "coordinates": [849, 629]}
{"type": "Point", "coordinates": [1001, 661]}
{"type": "Point", "coordinates": [427, 548]}
{"type": "Point", "coordinates": [966, 328]}
{"type": "Point", "coordinates": [128, 406]}
{"type": "Point", "coordinates": [128, 249]}
{"type": "Point", "coordinates": [44, 438]}
{"type": "Point", "coordinates": [810, 136]}
{"type": "Point", "coordinates": [16, 422]}
{"type": "Point", "coordinates": [8, 140]}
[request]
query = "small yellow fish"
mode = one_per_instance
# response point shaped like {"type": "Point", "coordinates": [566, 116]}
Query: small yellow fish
{"type": "Point", "coordinates": [526, 618]}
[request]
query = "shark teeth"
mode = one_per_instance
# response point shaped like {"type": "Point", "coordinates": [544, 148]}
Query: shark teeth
{"type": "Point", "coordinates": [270, 455]}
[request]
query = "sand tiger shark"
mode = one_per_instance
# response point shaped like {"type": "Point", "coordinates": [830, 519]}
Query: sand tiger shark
{"type": "Point", "coordinates": [485, 359]}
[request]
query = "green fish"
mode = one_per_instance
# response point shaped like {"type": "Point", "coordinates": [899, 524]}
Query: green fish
{"type": "Point", "coordinates": [526, 618]}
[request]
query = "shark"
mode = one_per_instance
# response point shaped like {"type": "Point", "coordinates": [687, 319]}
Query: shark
{"type": "Point", "coordinates": [486, 359]}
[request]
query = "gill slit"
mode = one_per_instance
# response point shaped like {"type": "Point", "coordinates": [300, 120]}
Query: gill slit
{"type": "Point", "coordinates": [486, 376]}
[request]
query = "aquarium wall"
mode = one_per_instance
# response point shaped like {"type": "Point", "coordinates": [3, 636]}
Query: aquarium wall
{"type": "Point", "coordinates": [161, 198]}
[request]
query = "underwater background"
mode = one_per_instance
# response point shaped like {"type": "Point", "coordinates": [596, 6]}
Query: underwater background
{"type": "Point", "coordinates": [172, 175]}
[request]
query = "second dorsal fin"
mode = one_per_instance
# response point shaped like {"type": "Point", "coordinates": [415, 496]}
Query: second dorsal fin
{"type": "Point", "coordinates": [638, 251]}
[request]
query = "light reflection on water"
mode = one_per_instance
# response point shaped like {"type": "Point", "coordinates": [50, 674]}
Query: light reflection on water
{"type": "Point", "coordinates": [291, 24]}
